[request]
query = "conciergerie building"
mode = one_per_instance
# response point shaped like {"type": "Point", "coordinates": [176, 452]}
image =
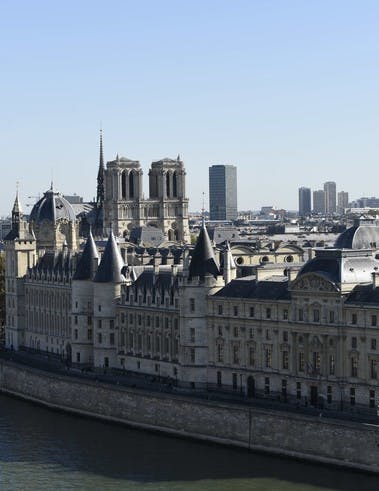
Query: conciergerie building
{"type": "Point", "coordinates": [306, 335]}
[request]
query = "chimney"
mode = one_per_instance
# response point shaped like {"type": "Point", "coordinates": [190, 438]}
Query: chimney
{"type": "Point", "coordinates": [375, 282]}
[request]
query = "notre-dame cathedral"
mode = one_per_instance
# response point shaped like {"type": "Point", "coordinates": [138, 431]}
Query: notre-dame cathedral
{"type": "Point", "coordinates": [121, 204]}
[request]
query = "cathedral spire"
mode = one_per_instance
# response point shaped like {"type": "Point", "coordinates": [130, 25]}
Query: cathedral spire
{"type": "Point", "coordinates": [100, 175]}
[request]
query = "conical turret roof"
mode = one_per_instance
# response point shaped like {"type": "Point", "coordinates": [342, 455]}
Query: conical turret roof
{"type": "Point", "coordinates": [203, 260]}
{"type": "Point", "coordinates": [109, 270]}
{"type": "Point", "coordinates": [84, 269]}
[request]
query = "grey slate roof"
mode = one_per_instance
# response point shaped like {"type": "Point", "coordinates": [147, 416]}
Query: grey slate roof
{"type": "Point", "coordinates": [84, 268]}
{"type": "Point", "coordinates": [52, 207]}
{"type": "Point", "coordinates": [250, 288]}
{"type": "Point", "coordinates": [363, 294]}
{"type": "Point", "coordinates": [203, 260]}
{"type": "Point", "coordinates": [109, 270]}
{"type": "Point", "coordinates": [329, 267]}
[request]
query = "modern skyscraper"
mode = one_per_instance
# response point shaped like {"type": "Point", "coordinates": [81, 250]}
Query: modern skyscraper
{"type": "Point", "coordinates": [342, 201]}
{"type": "Point", "coordinates": [319, 201]}
{"type": "Point", "coordinates": [223, 192]}
{"type": "Point", "coordinates": [330, 197]}
{"type": "Point", "coordinates": [304, 201]}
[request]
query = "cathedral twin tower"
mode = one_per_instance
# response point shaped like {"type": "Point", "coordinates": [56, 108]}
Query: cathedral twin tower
{"type": "Point", "coordinates": [123, 206]}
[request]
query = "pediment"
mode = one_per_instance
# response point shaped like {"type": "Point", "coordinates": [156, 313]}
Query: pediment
{"type": "Point", "coordinates": [313, 282]}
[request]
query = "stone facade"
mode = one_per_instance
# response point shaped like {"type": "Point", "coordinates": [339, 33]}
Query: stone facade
{"type": "Point", "coordinates": [288, 434]}
{"type": "Point", "coordinates": [313, 340]}
{"type": "Point", "coordinates": [125, 207]}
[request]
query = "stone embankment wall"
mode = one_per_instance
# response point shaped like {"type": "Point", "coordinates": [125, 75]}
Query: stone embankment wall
{"type": "Point", "coordinates": [330, 441]}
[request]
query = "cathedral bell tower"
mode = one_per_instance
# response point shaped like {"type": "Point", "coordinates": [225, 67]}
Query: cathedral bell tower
{"type": "Point", "coordinates": [167, 186]}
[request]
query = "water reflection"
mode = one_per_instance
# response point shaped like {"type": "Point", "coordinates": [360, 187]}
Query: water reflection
{"type": "Point", "coordinates": [42, 449]}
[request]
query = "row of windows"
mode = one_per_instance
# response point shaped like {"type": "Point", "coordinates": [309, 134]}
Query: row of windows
{"type": "Point", "coordinates": [267, 389]}
{"type": "Point", "coordinates": [149, 320]}
{"type": "Point", "coordinates": [312, 366]}
{"type": "Point", "coordinates": [315, 314]}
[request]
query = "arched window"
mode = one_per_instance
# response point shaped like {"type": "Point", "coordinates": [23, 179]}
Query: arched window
{"type": "Point", "coordinates": [123, 185]}
{"type": "Point", "coordinates": [168, 190]}
{"type": "Point", "coordinates": [131, 185]}
{"type": "Point", "coordinates": [174, 185]}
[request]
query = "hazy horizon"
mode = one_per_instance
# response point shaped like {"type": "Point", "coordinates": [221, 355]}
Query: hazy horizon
{"type": "Point", "coordinates": [284, 90]}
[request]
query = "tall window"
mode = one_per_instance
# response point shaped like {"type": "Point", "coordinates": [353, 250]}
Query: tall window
{"type": "Point", "coordinates": [251, 356]}
{"type": "Point", "coordinates": [354, 367]}
{"type": "Point", "coordinates": [219, 379]}
{"type": "Point", "coordinates": [267, 386]}
{"type": "Point", "coordinates": [268, 357]}
{"type": "Point", "coordinates": [373, 320]}
{"type": "Point", "coordinates": [329, 394]}
{"type": "Point", "coordinates": [220, 353]}
{"type": "Point", "coordinates": [234, 381]}
{"type": "Point", "coordinates": [332, 365]}
{"type": "Point", "coordinates": [298, 390]}
{"type": "Point", "coordinates": [192, 335]}
{"type": "Point", "coordinates": [316, 359]}
{"type": "Point", "coordinates": [236, 353]}
{"type": "Point", "coordinates": [192, 304]}
{"type": "Point", "coordinates": [373, 370]}
{"type": "Point", "coordinates": [131, 184]}
{"type": "Point", "coordinates": [354, 342]}
{"type": "Point", "coordinates": [301, 315]}
{"type": "Point", "coordinates": [285, 360]}
{"type": "Point", "coordinates": [301, 361]}
{"type": "Point", "coordinates": [316, 315]}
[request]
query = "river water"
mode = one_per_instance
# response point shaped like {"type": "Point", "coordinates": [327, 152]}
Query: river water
{"type": "Point", "coordinates": [46, 450]}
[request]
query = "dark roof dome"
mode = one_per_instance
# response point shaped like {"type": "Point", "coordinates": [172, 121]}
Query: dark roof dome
{"type": "Point", "coordinates": [362, 235]}
{"type": "Point", "coordinates": [52, 207]}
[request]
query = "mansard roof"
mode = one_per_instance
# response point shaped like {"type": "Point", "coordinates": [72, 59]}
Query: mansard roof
{"type": "Point", "coordinates": [342, 265]}
{"type": "Point", "coordinates": [203, 262]}
{"type": "Point", "coordinates": [251, 288]}
{"type": "Point", "coordinates": [53, 262]}
{"type": "Point", "coordinates": [111, 265]}
{"type": "Point", "coordinates": [362, 294]}
{"type": "Point", "coordinates": [84, 269]}
{"type": "Point", "coordinates": [161, 280]}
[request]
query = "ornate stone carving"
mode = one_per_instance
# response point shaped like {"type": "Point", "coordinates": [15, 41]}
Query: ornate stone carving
{"type": "Point", "coordinates": [315, 283]}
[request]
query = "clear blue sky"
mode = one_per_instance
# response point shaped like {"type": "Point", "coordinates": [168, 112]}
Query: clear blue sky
{"type": "Point", "coordinates": [286, 90]}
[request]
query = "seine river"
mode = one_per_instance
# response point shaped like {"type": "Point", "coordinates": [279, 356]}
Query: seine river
{"type": "Point", "coordinates": [46, 450]}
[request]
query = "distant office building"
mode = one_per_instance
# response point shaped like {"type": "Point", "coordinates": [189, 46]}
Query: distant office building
{"type": "Point", "coordinates": [319, 201]}
{"type": "Point", "coordinates": [74, 199]}
{"type": "Point", "coordinates": [330, 197]}
{"type": "Point", "coordinates": [223, 192]}
{"type": "Point", "coordinates": [366, 202]}
{"type": "Point", "coordinates": [342, 201]}
{"type": "Point", "coordinates": [304, 201]}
